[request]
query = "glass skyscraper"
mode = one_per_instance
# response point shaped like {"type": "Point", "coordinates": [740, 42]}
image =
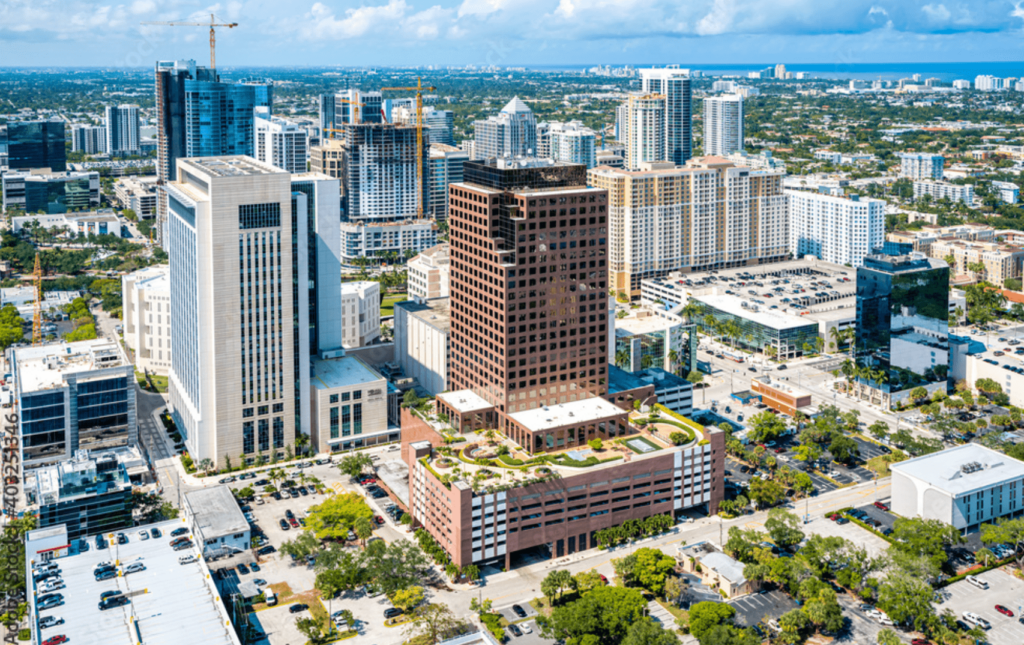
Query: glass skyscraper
{"type": "Point", "coordinates": [902, 326]}
{"type": "Point", "coordinates": [36, 144]}
{"type": "Point", "coordinates": [219, 119]}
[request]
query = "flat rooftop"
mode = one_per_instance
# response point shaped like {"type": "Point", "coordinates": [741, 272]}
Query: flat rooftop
{"type": "Point", "coordinates": [170, 603]}
{"type": "Point", "coordinates": [342, 372]}
{"type": "Point", "coordinates": [962, 469]}
{"type": "Point", "coordinates": [772, 318]}
{"type": "Point", "coordinates": [563, 414]}
{"type": "Point", "coordinates": [235, 166]}
{"type": "Point", "coordinates": [644, 323]}
{"type": "Point", "coordinates": [465, 401]}
{"type": "Point", "coordinates": [216, 512]}
{"type": "Point", "coordinates": [44, 367]}
{"type": "Point", "coordinates": [436, 312]}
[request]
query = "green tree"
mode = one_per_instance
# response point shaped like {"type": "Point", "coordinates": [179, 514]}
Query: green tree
{"type": "Point", "coordinates": [336, 516]}
{"type": "Point", "coordinates": [648, 632]}
{"type": "Point", "coordinates": [585, 581]}
{"type": "Point", "coordinates": [432, 623]}
{"type": "Point", "coordinates": [766, 426]}
{"type": "Point", "coordinates": [783, 527]}
{"type": "Point", "coordinates": [652, 568]}
{"type": "Point", "coordinates": [555, 583]}
{"type": "Point", "coordinates": [765, 492]}
{"type": "Point", "coordinates": [315, 629]}
{"type": "Point", "coordinates": [705, 616]}
{"type": "Point", "coordinates": [363, 528]}
{"type": "Point", "coordinates": [395, 566]}
{"type": "Point", "coordinates": [792, 624]}
{"type": "Point", "coordinates": [302, 546]}
{"type": "Point", "coordinates": [844, 449]}
{"type": "Point", "coordinates": [824, 611]}
{"type": "Point", "coordinates": [729, 635]}
{"type": "Point", "coordinates": [355, 464]}
{"type": "Point", "coordinates": [406, 599]}
{"type": "Point", "coordinates": [342, 567]}
{"type": "Point", "coordinates": [601, 617]}
{"type": "Point", "coordinates": [596, 443]}
{"type": "Point", "coordinates": [888, 637]}
{"type": "Point", "coordinates": [907, 599]}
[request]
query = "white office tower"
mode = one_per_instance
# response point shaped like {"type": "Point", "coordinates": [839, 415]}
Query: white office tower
{"type": "Point", "coordinates": [146, 297]}
{"type": "Point", "coordinates": [723, 125]}
{"type": "Point", "coordinates": [280, 142]}
{"type": "Point", "coordinates": [987, 83]}
{"type": "Point", "coordinates": [88, 139]}
{"type": "Point", "coordinates": [836, 229]}
{"type": "Point", "coordinates": [571, 142]}
{"type": "Point", "coordinates": [780, 71]}
{"type": "Point", "coordinates": [255, 292]}
{"type": "Point", "coordinates": [122, 130]}
{"type": "Point", "coordinates": [510, 133]}
{"type": "Point", "coordinates": [728, 87]}
{"type": "Point", "coordinates": [621, 114]}
{"type": "Point", "coordinates": [961, 85]}
{"type": "Point", "coordinates": [674, 84]}
{"type": "Point", "coordinates": [645, 130]}
{"type": "Point", "coordinates": [921, 166]}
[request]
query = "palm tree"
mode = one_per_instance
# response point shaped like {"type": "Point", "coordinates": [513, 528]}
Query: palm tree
{"type": "Point", "coordinates": [958, 314]}
{"type": "Point", "coordinates": [646, 361]}
{"type": "Point", "coordinates": [622, 359]}
{"type": "Point", "coordinates": [690, 311]}
{"type": "Point", "coordinates": [673, 360]}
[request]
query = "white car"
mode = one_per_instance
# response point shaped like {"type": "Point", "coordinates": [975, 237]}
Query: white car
{"type": "Point", "coordinates": [526, 628]}
{"type": "Point", "coordinates": [51, 585]}
{"type": "Point", "coordinates": [134, 568]}
{"type": "Point", "coordinates": [143, 535]}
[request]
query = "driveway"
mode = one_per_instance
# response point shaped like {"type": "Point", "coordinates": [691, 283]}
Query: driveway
{"type": "Point", "coordinates": [755, 608]}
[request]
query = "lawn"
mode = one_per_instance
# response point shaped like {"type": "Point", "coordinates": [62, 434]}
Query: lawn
{"type": "Point", "coordinates": [387, 307]}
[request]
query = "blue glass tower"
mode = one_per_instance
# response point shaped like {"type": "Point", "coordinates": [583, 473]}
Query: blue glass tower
{"type": "Point", "coordinates": [36, 144]}
{"type": "Point", "coordinates": [219, 119]}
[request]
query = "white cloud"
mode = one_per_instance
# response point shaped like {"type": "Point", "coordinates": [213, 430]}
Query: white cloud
{"type": "Point", "coordinates": [936, 13]}
{"type": "Point", "coordinates": [140, 7]}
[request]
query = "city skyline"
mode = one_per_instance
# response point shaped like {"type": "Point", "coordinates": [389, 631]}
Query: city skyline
{"type": "Point", "coordinates": [506, 33]}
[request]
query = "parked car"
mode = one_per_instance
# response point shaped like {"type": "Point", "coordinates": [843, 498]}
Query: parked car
{"type": "Point", "coordinates": [155, 532]}
{"type": "Point", "coordinates": [391, 612]}
{"type": "Point", "coordinates": [50, 621]}
{"type": "Point", "coordinates": [106, 574]}
{"type": "Point", "coordinates": [119, 600]}
{"type": "Point", "coordinates": [56, 640]}
{"type": "Point", "coordinates": [519, 611]}
{"type": "Point", "coordinates": [514, 630]}
{"type": "Point", "coordinates": [177, 532]}
{"type": "Point", "coordinates": [297, 607]}
{"type": "Point", "coordinates": [267, 550]}
{"type": "Point", "coordinates": [135, 567]}
{"type": "Point", "coordinates": [1004, 611]}
{"type": "Point", "coordinates": [882, 506]}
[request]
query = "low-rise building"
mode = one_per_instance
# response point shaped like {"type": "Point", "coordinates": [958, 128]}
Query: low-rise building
{"type": "Point", "coordinates": [653, 337]}
{"type": "Point", "coordinates": [944, 190]}
{"type": "Point", "coordinates": [715, 569]}
{"type": "Point", "coordinates": [963, 486]}
{"type": "Point", "coordinates": [359, 240]}
{"type": "Point", "coordinates": [650, 385]}
{"type": "Point", "coordinates": [350, 406]}
{"type": "Point", "coordinates": [73, 396]}
{"type": "Point", "coordinates": [428, 273]}
{"type": "Point", "coordinates": [1001, 261]}
{"type": "Point", "coordinates": [138, 194]}
{"type": "Point", "coordinates": [166, 599]}
{"type": "Point", "coordinates": [43, 191]}
{"type": "Point", "coordinates": [217, 521]}
{"type": "Point", "coordinates": [782, 396]}
{"type": "Point", "coordinates": [759, 327]}
{"type": "Point", "coordinates": [71, 225]}
{"type": "Point", "coordinates": [24, 298]}
{"type": "Point", "coordinates": [146, 312]}
{"type": "Point", "coordinates": [422, 341]}
{"type": "Point", "coordinates": [1009, 192]}
{"type": "Point", "coordinates": [360, 313]}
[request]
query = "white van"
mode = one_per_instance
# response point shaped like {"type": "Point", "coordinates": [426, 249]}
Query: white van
{"type": "Point", "coordinates": [187, 559]}
{"type": "Point", "coordinates": [270, 596]}
{"type": "Point", "coordinates": [977, 582]}
{"type": "Point", "coordinates": [974, 619]}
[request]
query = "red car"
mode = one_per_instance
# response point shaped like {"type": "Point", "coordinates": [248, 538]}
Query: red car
{"type": "Point", "coordinates": [920, 641]}
{"type": "Point", "coordinates": [882, 506]}
{"type": "Point", "coordinates": [834, 516]}
{"type": "Point", "coordinates": [378, 519]}
{"type": "Point", "coordinates": [779, 450]}
{"type": "Point", "coordinates": [56, 640]}
{"type": "Point", "coordinates": [294, 522]}
{"type": "Point", "coordinates": [603, 579]}
{"type": "Point", "coordinates": [1004, 611]}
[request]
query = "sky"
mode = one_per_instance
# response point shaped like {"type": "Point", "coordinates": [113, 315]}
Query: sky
{"type": "Point", "coordinates": [512, 32]}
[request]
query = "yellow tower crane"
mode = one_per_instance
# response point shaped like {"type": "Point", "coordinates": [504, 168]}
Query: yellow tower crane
{"type": "Point", "coordinates": [37, 308]}
{"type": "Point", "coordinates": [211, 25]}
{"type": "Point", "coordinates": [419, 137]}
{"type": "Point", "coordinates": [355, 115]}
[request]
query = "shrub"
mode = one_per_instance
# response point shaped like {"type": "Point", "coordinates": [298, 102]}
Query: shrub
{"type": "Point", "coordinates": [678, 438]}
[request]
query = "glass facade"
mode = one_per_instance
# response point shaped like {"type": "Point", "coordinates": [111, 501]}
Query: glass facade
{"type": "Point", "coordinates": [59, 195]}
{"type": "Point", "coordinates": [103, 408]}
{"type": "Point", "coordinates": [89, 500]}
{"type": "Point", "coordinates": [903, 322]}
{"type": "Point", "coordinates": [788, 342]}
{"type": "Point", "coordinates": [44, 425]}
{"type": "Point", "coordinates": [36, 144]}
{"type": "Point", "coordinates": [219, 119]}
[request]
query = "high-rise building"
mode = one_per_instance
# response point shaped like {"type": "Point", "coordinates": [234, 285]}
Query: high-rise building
{"type": "Point", "coordinates": [780, 71]}
{"type": "Point", "coordinates": [570, 142]}
{"type": "Point", "coordinates": [440, 125]}
{"type": "Point", "coordinates": [645, 129]}
{"type": "Point", "coordinates": [723, 125]}
{"type": "Point", "coordinates": [666, 218]}
{"type": "Point", "coordinates": [280, 142]}
{"type": "Point", "coordinates": [71, 397]}
{"type": "Point", "coordinates": [510, 133]}
{"type": "Point", "coordinates": [36, 144]}
{"type": "Point", "coordinates": [122, 122]}
{"type": "Point", "coordinates": [89, 139]}
{"type": "Point", "coordinates": [368, 105]}
{"type": "Point", "coordinates": [836, 229]}
{"type": "Point", "coordinates": [378, 173]}
{"type": "Point", "coordinates": [921, 166]}
{"type": "Point", "coordinates": [146, 298]}
{"type": "Point", "coordinates": [255, 293]}
{"type": "Point", "coordinates": [444, 168]}
{"type": "Point", "coordinates": [986, 83]}
{"type": "Point", "coordinates": [264, 92]}
{"type": "Point", "coordinates": [902, 326]}
{"type": "Point", "coordinates": [328, 116]}
{"type": "Point", "coordinates": [961, 84]}
{"type": "Point", "coordinates": [674, 84]}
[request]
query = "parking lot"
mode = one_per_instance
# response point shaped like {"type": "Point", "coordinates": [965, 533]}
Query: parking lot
{"type": "Point", "coordinates": [886, 518]}
{"type": "Point", "coordinates": [758, 607]}
{"type": "Point", "coordinates": [874, 545]}
{"type": "Point", "coordinates": [1004, 589]}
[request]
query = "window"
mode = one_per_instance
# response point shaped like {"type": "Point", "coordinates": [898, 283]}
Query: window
{"type": "Point", "coordinates": [334, 423]}
{"type": "Point", "coordinates": [357, 418]}
{"type": "Point", "coordinates": [334, 398]}
{"type": "Point", "coordinates": [345, 396]}
{"type": "Point", "coordinates": [346, 420]}
{"type": "Point", "coordinates": [279, 407]}
{"type": "Point", "coordinates": [259, 216]}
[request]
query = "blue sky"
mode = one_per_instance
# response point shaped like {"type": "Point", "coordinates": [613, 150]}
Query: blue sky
{"type": "Point", "coordinates": [514, 32]}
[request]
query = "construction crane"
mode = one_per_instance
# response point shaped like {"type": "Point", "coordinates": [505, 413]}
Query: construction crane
{"type": "Point", "coordinates": [355, 115]}
{"type": "Point", "coordinates": [37, 308]}
{"type": "Point", "coordinates": [419, 137]}
{"type": "Point", "coordinates": [211, 25]}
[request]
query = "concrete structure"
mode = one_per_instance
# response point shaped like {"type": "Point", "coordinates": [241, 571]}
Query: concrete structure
{"type": "Point", "coordinates": [510, 133]}
{"type": "Point", "coordinates": [88, 139]}
{"type": "Point", "coordinates": [782, 396]}
{"type": "Point", "coordinates": [647, 337]}
{"type": "Point", "coordinates": [644, 130]}
{"type": "Point", "coordinates": [139, 194]}
{"type": "Point", "coordinates": [674, 84]}
{"type": "Point", "coordinates": [87, 494]}
{"type": "Point", "coordinates": [963, 486]}
{"type": "Point", "coordinates": [671, 391]}
{"type": "Point", "coordinates": [840, 230]}
{"type": "Point", "coordinates": [944, 190]}
{"type": "Point", "coordinates": [378, 173]}
{"type": "Point", "coordinates": [24, 298]}
{"type": "Point", "coordinates": [665, 218]}
{"type": "Point", "coordinates": [568, 142]}
{"type": "Point", "coordinates": [165, 599]}
{"type": "Point", "coordinates": [71, 225]}
{"type": "Point", "coordinates": [360, 313]}
{"type": "Point", "coordinates": [217, 521]}
{"type": "Point", "coordinates": [280, 142]}
{"type": "Point", "coordinates": [427, 274]}
{"type": "Point", "coordinates": [1001, 261]}
{"type": "Point", "coordinates": [715, 569]}
{"type": "Point", "coordinates": [921, 166]}
{"type": "Point", "coordinates": [235, 387]}
{"type": "Point", "coordinates": [444, 168]}
{"type": "Point", "coordinates": [122, 130]}
{"type": "Point", "coordinates": [1008, 192]}
{"type": "Point", "coordinates": [146, 312]}
{"type": "Point", "coordinates": [72, 396]}
{"type": "Point", "coordinates": [723, 124]}
{"type": "Point", "coordinates": [350, 406]}
{"type": "Point", "coordinates": [422, 341]}
{"type": "Point", "coordinates": [375, 240]}
{"type": "Point", "coordinates": [43, 191]}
